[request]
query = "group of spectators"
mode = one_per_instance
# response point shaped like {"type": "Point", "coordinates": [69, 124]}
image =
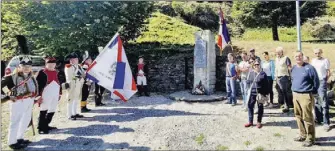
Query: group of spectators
{"type": "Point", "coordinates": [302, 86]}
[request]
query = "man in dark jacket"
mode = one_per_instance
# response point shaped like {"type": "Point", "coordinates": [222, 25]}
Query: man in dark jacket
{"type": "Point", "coordinates": [50, 91]}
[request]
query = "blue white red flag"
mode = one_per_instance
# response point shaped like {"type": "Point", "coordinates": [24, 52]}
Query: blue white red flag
{"type": "Point", "coordinates": [223, 38]}
{"type": "Point", "coordinates": [112, 71]}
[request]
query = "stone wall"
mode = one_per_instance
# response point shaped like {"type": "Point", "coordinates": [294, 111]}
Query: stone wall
{"type": "Point", "coordinates": [169, 69]}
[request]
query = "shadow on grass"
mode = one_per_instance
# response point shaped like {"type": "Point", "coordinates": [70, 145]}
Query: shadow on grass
{"type": "Point", "coordinates": [291, 123]}
{"type": "Point", "coordinates": [134, 114]}
{"type": "Point", "coordinates": [326, 141]}
{"type": "Point", "coordinates": [93, 130]}
{"type": "Point", "coordinates": [289, 114]}
{"type": "Point", "coordinates": [136, 101]}
{"type": "Point", "coordinates": [80, 143]}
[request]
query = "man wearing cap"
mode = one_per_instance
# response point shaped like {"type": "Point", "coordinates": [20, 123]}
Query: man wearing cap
{"type": "Point", "coordinates": [21, 89]}
{"type": "Point", "coordinates": [50, 91]}
{"type": "Point", "coordinates": [74, 82]}
{"type": "Point", "coordinates": [253, 55]}
{"type": "Point", "coordinates": [142, 73]}
{"type": "Point", "coordinates": [99, 90]}
{"type": "Point", "coordinates": [282, 76]}
{"type": "Point", "coordinates": [87, 61]}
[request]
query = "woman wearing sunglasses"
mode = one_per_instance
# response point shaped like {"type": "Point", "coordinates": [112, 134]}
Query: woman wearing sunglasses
{"type": "Point", "coordinates": [258, 89]}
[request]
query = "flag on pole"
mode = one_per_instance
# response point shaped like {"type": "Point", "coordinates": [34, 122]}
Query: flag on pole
{"type": "Point", "coordinates": [224, 38]}
{"type": "Point", "coordinates": [112, 71]}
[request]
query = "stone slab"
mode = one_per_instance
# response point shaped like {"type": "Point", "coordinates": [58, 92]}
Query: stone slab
{"type": "Point", "coordinates": [188, 97]}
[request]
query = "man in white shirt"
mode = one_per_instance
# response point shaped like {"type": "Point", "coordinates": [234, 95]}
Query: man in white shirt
{"type": "Point", "coordinates": [244, 68]}
{"type": "Point", "coordinates": [322, 67]}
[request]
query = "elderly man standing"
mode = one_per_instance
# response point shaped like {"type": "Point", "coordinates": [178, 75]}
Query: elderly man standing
{"type": "Point", "coordinates": [322, 66]}
{"type": "Point", "coordinates": [305, 83]}
{"type": "Point", "coordinates": [282, 76]}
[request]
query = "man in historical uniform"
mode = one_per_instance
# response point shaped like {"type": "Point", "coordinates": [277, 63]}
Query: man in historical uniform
{"type": "Point", "coordinates": [142, 73]}
{"type": "Point", "coordinates": [74, 82]}
{"type": "Point", "coordinates": [99, 90]}
{"type": "Point", "coordinates": [49, 90]}
{"type": "Point", "coordinates": [21, 89]}
{"type": "Point", "coordinates": [87, 61]}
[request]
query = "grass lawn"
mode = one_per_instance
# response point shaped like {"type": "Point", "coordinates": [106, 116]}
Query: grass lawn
{"type": "Point", "coordinates": [289, 48]}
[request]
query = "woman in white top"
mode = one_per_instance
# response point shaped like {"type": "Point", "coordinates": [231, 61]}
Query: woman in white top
{"type": "Point", "coordinates": [268, 67]}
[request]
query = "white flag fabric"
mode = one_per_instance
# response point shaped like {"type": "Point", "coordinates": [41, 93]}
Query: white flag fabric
{"type": "Point", "coordinates": [112, 71]}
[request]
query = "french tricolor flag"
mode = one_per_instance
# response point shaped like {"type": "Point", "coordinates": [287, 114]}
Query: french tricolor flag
{"type": "Point", "coordinates": [224, 38]}
{"type": "Point", "coordinates": [112, 71]}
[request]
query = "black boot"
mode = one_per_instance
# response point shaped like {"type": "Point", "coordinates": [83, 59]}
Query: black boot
{"type": "Point", "coordinates": [140, 90]}
{"type": "Point", "coordinates": [17, 146]}
{"type": "Point", "coordinates": [84, 109]}
{"type": "Point", "coordinates": [97, 100]}
{"type": "Point", "coordinates": [42, 123]}
{"type": "Point", "coordinates": [49, 119]}
{"type": "Point", "coordinates": [146, 91]}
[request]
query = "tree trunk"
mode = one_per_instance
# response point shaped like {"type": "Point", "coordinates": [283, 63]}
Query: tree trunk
{"type": "Point", "coordinates": [274, 25]}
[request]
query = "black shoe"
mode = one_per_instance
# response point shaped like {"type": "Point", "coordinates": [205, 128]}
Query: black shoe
{"type": "Point", "coordinates": [52, 128]}
{"type": "Point", "coordinates": [17, 146]}
{"type": "Point", "coordinates": [285, 110]}
{"type": "Point", "coordinates": [308, 144]}
{"type": "Point", "coordinates": [72, 118]}
{"type": "Point", "coordinates": [85, 109]}
{"type": "Point", "coordinates": [79, 116]}
{"type": "Point", "coordinates": [24, 142]}
{"type": "Point", "coordinates": [100, 104]}
{"type": "Point", "coordinates": [43, 131]}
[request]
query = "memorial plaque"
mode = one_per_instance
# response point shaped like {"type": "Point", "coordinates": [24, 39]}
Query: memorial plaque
{"type": "Point", "coordinates": [200, 59]}
{"type": "Point", "coordinates": [204, 61]}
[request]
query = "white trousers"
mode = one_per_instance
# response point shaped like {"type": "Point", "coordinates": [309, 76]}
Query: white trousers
{"type": "Point", "coordinates": [74, 96]}
{"type": "Point", "coordinates": [141, 80]}
{"type": "Point", "coordinates": [20, 117]}
{"type": "Point", "coordinates": [50, 97]}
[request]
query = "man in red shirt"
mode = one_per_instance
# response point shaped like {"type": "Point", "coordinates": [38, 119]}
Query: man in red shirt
{"type": "Point", "coordinates": [50, 90]}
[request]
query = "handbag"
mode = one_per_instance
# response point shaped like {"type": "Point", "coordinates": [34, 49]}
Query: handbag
{"type": "Point", "coordinates": [259, 98]}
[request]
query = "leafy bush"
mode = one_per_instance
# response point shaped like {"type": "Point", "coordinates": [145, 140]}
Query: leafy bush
{"type": "Point", "coordinates": [205, 16]}
{"type": "Point", "coordinates": [321, 27]}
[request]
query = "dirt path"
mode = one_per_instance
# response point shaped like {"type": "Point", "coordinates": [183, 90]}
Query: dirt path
{"type": "Point", "coordinates": [157, 123]}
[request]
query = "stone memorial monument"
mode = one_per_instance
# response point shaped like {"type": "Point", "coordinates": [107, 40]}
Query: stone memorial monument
{"type": "Point", "coordinates": [204, 63]}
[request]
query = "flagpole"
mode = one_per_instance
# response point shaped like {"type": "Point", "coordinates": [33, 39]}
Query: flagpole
{"type": "Point", "coordinates": [298, 24]}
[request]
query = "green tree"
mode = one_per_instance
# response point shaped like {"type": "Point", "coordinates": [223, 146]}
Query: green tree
{"type": "Point", "coordinates": [275, 13]}
{"type": "Point", "coordinates": [58, 28]}
{"type": "Point", "coordinates": [10, 26]}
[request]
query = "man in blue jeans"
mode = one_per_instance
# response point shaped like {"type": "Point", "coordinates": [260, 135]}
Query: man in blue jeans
{"type": "Point", "coordinates": [231, 77]}
{"type": "Point", "coordinates": [244, 68]}
{"type": "Point", "coordinates": [322, 67]}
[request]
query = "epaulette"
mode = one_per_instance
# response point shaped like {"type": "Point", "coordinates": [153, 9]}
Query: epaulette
{"type": "Point", "coordinates": [68, 65]}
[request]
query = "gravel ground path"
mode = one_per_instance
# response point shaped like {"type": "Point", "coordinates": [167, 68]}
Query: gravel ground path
{"type": "Point", "coordinates": [158, 123]}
